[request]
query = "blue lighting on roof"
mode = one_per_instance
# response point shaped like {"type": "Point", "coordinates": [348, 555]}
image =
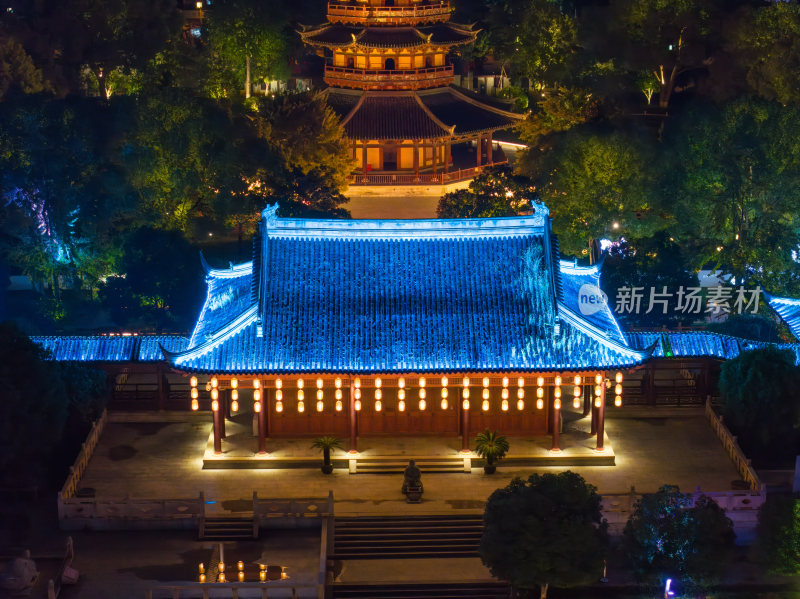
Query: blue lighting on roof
{"type": "Point", "coordinates": [110, 348]}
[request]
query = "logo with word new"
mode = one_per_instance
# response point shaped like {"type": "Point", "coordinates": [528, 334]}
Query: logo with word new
{"type": "Point", "coordinates": [591, 299]}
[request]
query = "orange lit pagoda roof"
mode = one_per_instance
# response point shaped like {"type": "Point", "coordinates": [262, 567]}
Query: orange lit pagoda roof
{"type": "Point", "coordinates": [337, 36]}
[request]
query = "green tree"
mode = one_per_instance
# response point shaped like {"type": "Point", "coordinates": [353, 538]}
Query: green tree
{"type": "Point", "coordinates": [326, 445]}
{"type": "Point", "coordinates": [559, 110]}
{"type": "Point", "coordinates": [736, 174]}
{"type": "Point", "coordinates": [668, 536]}
{"type": "Point", "coordinates": [246, 41]}
{"type": "Point", "coordinates": [17, 70]}
{"type": "Point", "coordinates": [777, 544]}
{"type": "Point", "coordinates": [546, 531]}
{"type": "Point", "coordinates": [535, 36]}
{"type": "Point", "coordinates": [765, 41]}
{"type": "Point", "coordinates": [497, 191]}
{"type": "Point", "coordinates": [758, 390]}
{"type": "Point", "coordinates": [600, 183]}
{"type": "Point", "coordinates": [492, 447]}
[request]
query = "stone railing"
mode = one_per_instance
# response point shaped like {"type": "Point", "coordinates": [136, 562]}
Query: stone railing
{"type": "Point", "coordinates": [234, 590]}
{"type": "Point", "coordinates": [731, 446]}
{"type": "Point", "coordinates": [82, 461]}
{"type": "Point", "coordinates": [266, 509]}
{"type": "Point", "coordinates": [421, 178]}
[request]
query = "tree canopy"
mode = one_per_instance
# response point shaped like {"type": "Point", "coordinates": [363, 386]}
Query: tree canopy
{"type": "Point", "coordinates": [495, 192]}
{"type": "Point", "coordinates": [546, 531]}
{"type": "Point", "coordinates": [777, 544]}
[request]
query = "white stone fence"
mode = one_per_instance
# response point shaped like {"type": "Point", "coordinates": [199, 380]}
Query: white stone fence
{"type": "Point", "coordinates": [82, 461]}
{"type": "Point", "coordinates": [731, 446]}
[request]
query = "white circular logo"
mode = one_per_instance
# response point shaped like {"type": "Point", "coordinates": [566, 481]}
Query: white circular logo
{"type": "Point", "coordinates": [591, 299]}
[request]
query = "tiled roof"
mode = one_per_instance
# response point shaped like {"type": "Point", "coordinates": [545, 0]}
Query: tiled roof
{"type": "Point", "coordinates": [388, 37]}
{"type": "Point", "coordinates": [573, 279]}
{"type": "Point", "coordinates": [466, 114]}
{"type": "Point", "coordinates": [229, 292]}
{"type": "Point", "coordinates": [697, 344]}
{"type": "Point", "coordinates": [391, 116]}
{"type": "Point", "coordinates": [110, 348]}
{"type": "Point", "coordinates": [789, 311]}
{"type": "Point", "coordinates": [405, 296]}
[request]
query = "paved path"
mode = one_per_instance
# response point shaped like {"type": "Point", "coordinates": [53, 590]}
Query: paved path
{"type": "Point", "coordinates": [152, 459]}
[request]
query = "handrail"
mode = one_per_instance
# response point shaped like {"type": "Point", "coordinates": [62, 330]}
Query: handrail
{"type": "Point", "coordinates": [346, 9]}
{"type": "Point", "coordinates": [448, 68]}
{"type": "Point", "coordinates": [82, 460]}
{"type": "Point", "coordinates": [731, 445]}
{"type": "Point", "coordinates": [419, 179]}
{"type": "Point", "coordinates": [204, 589]}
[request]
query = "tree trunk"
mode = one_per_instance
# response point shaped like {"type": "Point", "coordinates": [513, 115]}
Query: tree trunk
{"type": "Point", "coordinates": [326, 457]}
{"type": "Point", "coordinates": [543, 591]}
{"type": "Point", "coordinates": [666, 88]}
{"type": "Point", "coordinates": [247, 77]}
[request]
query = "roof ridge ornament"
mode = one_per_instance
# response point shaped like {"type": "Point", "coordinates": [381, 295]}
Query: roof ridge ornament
{"type": "Point", "coordinates": [270, 214]}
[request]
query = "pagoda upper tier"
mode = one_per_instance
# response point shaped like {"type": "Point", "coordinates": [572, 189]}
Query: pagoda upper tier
{"type": "Point", "coordinates": [387, 12]}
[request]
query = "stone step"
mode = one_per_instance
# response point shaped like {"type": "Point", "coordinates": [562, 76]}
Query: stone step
{"type": "Point", "coordinates": [393, 466]}
{"type": "Point", "coordinates": [487, 590]}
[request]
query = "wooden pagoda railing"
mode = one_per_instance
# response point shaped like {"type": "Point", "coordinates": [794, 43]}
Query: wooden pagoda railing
{"type": "Point", "coordinates": [391, 79]}
{"type": "Point", "coordinates": [348, 12]}
{"type": "Point", "coordinates": [421, 178]}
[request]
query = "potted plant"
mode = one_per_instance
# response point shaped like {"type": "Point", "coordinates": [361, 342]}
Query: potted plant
{"type": "Point", "coordinates": [325, 445]}
{"type": "Point", "coordinates": [492, 447]}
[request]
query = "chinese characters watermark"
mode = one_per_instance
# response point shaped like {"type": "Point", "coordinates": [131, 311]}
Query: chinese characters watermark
{"type": "Point", "coordinates": [687, 300]}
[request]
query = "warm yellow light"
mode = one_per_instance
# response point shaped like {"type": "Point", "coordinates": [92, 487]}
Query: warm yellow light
{"type": "Point", "coordinates": [444, 381]}
{"type": "Point", "coordinates": [357, 393]}
{"type": "Point", "coordinates": [444, 391]}
{"type": "Point", "coordinates": [278, 384]}
{"type": "Point", "coordinates": [301, 406]}
{"type": "Point", "coordinates": [214, 394]}
{"type": "Point", "coordinates": [422, 381]}
{"type": "Point", "coordinates": [520, 405]}
{"type": "Point", "coordinates": [557, 392]}
{"type": "Point", "coordinates": [539, 404]}
{"type": "Point", "coordinates": [557, 404]}
{"type": "Point", "coordinates": [240, 565]}
{"type": "Point", "coordinates": [539, 392]}
{"type": "Point", "coordinates": [201, 577]}
{"type": "Point", "coordinates": [193, 381]}
{"type": "Point", "coordinates": [576, 403]}
{"type": "Point", "coordinates": [221, 577]}
{"type": "Point", "coordinates": [422, 405]}
{"type": "Point", "coordinates": [577, 380]}
{"type": "Point", "coordinates": [357, 405]}
{"type": "Point", "coordinates": [357, 383]}
{"type": "Point", "coordinates": [504, 393]}
{"type": "Point", "coordinates": [208, 386]}
{"type": "Point", "coordinates": [521, 392]}
{"type": "Point", "coordinates": [198, 5]}
{"type": "Point", "coordinates": [319, 383]}
{"type": "Point", "coordinates": [401, 394]}
{"type": "Point", "coordinates": [194, 393]}
{"type": "Point", "coordinates": [521, 382]}
{"type": "Point", "coordinates": [257, 406]}
{"type": "Point", "coordinates": [485, 381]}
{"type": "Point", "coordinates": [279, 395]}
{"type": "Point", "coordinates": [234, 394]}
{"type": "Point", "coordinates": [465, 381]}
{"type": "Point", "coordinates": [597, 402]}
{"type": "Point", "coordinates": [300, 383]}
{"type": "Point", "coordinates": [262, 576]}
{"type": "Point", "coordinates": [558, 381]}
{"type": "Point", "coordinates": [214, 382]}
{"type": "Point", "coordinates": [320, 393]}
{"type": "Point", "coordinates": [444, 404]}
{"type": "Point", "coordinates": [576, 391]}
{"type": "Point", "coordinates": [337, 383]}
{"type": "Point", "coordinates": [504, 405]}
{"type": "Point", "coordinates": [465, 404]}
{"type": "Point", "coordinates": [618, 401]}
{"type": "Point", "coordinates": [378, 394]}
{"type": "Point", "coordinates": [505, 381]}
{"type": "Point", "coordinates": [485, 405]}
{"type": "Point", "coordinates": [257, 383]}
{"type": "Point", "coordinates": [320, 405]}
{"type": "Point", "coordinates": [618, 389]}
{"type": "Point", "coordinates": [234, 405]}
{"type": "Point", "coordinates": [618, 377]}
{"type": "Point", "coordinates": [401, 383]}
{"type": "Point", "coordinates": [279, 406]}
{"type": "Point", "coordinates": [598, 390]}
{"type": "Point", "coordinates": [422, 393]}
{"type": "Point", "coordinates": [337, 394]}
{"type": "Point", "coordinates": [234, 383]}
{"type": "Point", "coordinates": [240, 576]}
{"type": "Point", "coordinates": [338, 405]}
{"type": "Point", "coordinates": [485, 393]}
{"type": "Point", "coordinates": [378, 405]}
{"type": "Point", "coordinates": [256, 395]}
{"type": "Point", "coordinates": [465, 393]}
{"type": "Point", "coordinates": [598, 378]}
{"type": "Point", "coordinates": [214, 405]}
{"type": "Point", "coordinates": [540, 381]}
{"type": "Point", "coordinates": [378, 383]}
{"type": "Point", "coordinates": [195, 405]}
{"type": "Point", "coordinates": [401, 406]}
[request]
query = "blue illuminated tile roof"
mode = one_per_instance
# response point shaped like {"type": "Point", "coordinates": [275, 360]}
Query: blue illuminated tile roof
{"type": "Point", "coordinates": [573, 278]}
{"type": "Point", "coordinates": [110, 348]}
{"type": "Point", "coordinates": [401, 296]}
{"type": "Point", "coordinates": [698, 344]}
{"type": "Point", "coordinates": [789, 311]}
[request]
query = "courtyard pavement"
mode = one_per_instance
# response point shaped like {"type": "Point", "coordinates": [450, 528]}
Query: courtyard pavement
{"type": "Point", "coordinates": [150, 459]}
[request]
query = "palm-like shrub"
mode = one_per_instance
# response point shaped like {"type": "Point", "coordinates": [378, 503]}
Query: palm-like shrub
{"type": "Point", "coordinates": [325, 445]}
{"type": "Point", "coordinates": [492, 447]}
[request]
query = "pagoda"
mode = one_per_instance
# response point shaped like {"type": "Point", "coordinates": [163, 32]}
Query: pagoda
{"type": "Point", "coordinates": [390, 83]}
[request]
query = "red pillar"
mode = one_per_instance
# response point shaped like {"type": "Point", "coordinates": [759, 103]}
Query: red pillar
{"type": "Point", "coordinates": [587, 400]}
{"type": "Point", "coordinates": [217, 437]}
{"type": "Point", "coordinates": [223, 407]}
{"type": "Point", "coordinates": [601, 418]}
{"type": "Point", "coordinates": [556, 419]}
{"type": "Point", "coordinates": [489, 149]}
{"type": "Point", "coordinates": [262, 424]}
{"type": "Point", "coordinates": [353, 417]}
{"type": "Point", "coordinates": [478, 151]}
{"type": "Point", "coordinates": [464, 426]}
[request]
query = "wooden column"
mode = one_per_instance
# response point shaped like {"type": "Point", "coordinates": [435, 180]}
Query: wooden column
{"type": "Point", "coordinates": [478, 151]}
{"type": "Point", "coordinates": [416, 161]}
{"type": "Point", "coordinates": [161, 387]}
{"type": "Point", "coordinates": [217, 414]}
{"type": "Point", "coordinates": [489, 148]}
{"type": "Point", "coordinates": [601, 418]}
{"type": "Point", "coordinates": [262, 423]}
{"type": "Point", "coordinates": [555, 420]}
{"type": "Point", "coordinates": [364, 157]}
{"type": "Point", "coordinates": [435, 157]}
{"type": "Point", "coordinates": [587, 400]}
{"type": "Point", "coordinates": [448, 154]}
{"type": "Point", "coordinates": [464, 425]}
{"type": "Point", "coordinates": [222, 409]}
{"type": "Point", "coordinates": [353, 419]}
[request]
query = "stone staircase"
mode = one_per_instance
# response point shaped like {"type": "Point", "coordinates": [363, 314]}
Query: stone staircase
{"type": "Point", "coordinates": [398, 465]}
{"type": "Point", "coordinates": [481, 590]}
{"type": "Point", "coordinates": [218, 528]}
{"type": "Point", "coordinates": [407, 537]}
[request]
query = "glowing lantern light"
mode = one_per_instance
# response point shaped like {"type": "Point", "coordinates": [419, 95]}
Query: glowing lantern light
{"type": "Point", "coordinates": [485, 381]}
{"type": "Point", "coordinates": [301, 406]}
{"type": "Point", "coordinates": [195, 405]}
{"type": "Point", "coordinates": [378, 405]}
{"type": "Point", "coordinates": [357, 383]}
{"type": "Point", "coordinates": [444, 405]}
{"type": "Point", "coordinates": [234, 394]}
{"type": "Point", "coordinates": [557, 392]}
{"type": "Point", "coordinates": [378, 394]}
{"type": "Point", "coordinates": [557, 404]}
{"type": "Point", "coordinates": [520, 405]}
{"type": "Point", "coordinates": [300, 383]}
{"type": "Point", "coordinates": [540, 381]}
{"type": "Point", "coordinates": [338, 394]}
{"type": "Point", "coordinates": [214, 394]}
{"type": "Point", "coordinates": [505, 381]}
{"type": "Point", "coordinates": [598, 390]}
{"type": "Point", "coordinates": [401, 394]}
{"type": "Point", "coordinates": [234, 383]}
{"type": "Point", "coordinates": [234, 405]}
{"type": "Point", "coordinates": [485, 405]}
{"type": "Point", "coordinates": [320, 394]}
{"type": "Point", "coordinates": [465, 393]}
{"type": "Point", "coordinates": [539, 404]}
{"type": "Point", "coordinates": [465, 404]}
{"type": "Point", "coordinates": [401, 406]}
{"type": "Point", "coordinates": [208, 386]}
{"type": "Point", "coordinates": [221, 577]}
{"type": "Point", "coordinates": [422, 381]}
{"type": "Point", "coordinates": [278, 384]}
{"type": "Point", "coordinates": [357, 405]}
{"type": "Point", "coordinates": [279, 406]}
{"type": "Point", "coordinates": [422, 405]}
{"type": "Point", "coordinates": [576, 402]}
{"type": "Point", "coordinates": [401, 383]}
{"type": "Point", "coordinates": [279, 395]}
{"type": "Point", "coordinates": [214, 382]}
{"type": "Point", "coordinates": [618, 401]}
{"type": "Point", "coordinates": [577, 380]}
{"type": "Point", "coordinates": [319, 383]}
{"type": "Point", "coordinates": [241, 576]}
{"type": "Point", "coordinates": [194, 393]}
{"type": "Point", "coordinates": [558, 380]}
{"type": "Point", "coordinates": [240, 566]}
{"type": "Point", "coordinates": [257, 383]}
{"type": "Point", "coordinates": [262, 576]}
{"type": "Point", "coordinates": [504, 393]}
{"type": "Point", "coordinates": [521, 393]}
{"type": "Point", "coordinates": [378, 383]}
{"type": "Point", "coordinates": [256, 395]}
{"type": "Point", "coordinates": [597, 402]}
{"type": "Point", "coordinates": [465, 381]}
{"type": "Point", "coordinates": [215, 405]}
{"type": "Point", "coordinates": [193, 381]}
{"type": "Point", "coordinates": [618, 389]}
{"type": "Point", "coordinates": [201, 577]}
{"type": "Point", "coordinates": [618, 377]}
{"type": "Point", "coordinates": [504, 405]}
{"type": "Point", "coordinates": [320, 405]}
{"type": "Point", "coordinates": [338, 405]}
{"type": "Point", "coordinates": [444, 381]}
{"type": "Point", "coordinates": [539, 392]}
{"type": "Point", "coordinates": [485, 393]}
{"type": "Point", "coordinates": [423, 394]}
{"type": "Point", "coordinates": [257, 407]}
{"type": "Point", "coordinates": [337, 383]}
{"type": "Point", "coordinates": [221, 566]}
{"type": "Point", "coordinates": [598, 378]}
{"type": "Point", "coordinates": [300, 395]}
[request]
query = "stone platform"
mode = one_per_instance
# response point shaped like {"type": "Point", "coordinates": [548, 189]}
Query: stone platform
{"type": "Point", "coordinates": [391, 454]}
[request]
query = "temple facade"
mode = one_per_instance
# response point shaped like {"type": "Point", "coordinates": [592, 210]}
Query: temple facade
{"type": "Point", "coordinates": [389, 81]}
